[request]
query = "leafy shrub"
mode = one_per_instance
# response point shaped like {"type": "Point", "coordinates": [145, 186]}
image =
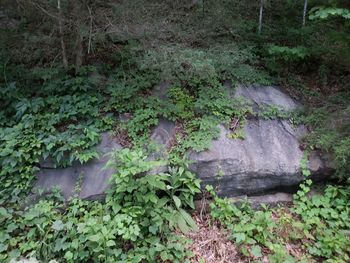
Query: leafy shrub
{"type": "Point", "coordinates": [326, 12]}
{"type": "Point", "coordinates": [125, 89]}
{"type": "Point", "coordinates": [330, 133]}
{"type": "Point", "coordinates": [196, 67]}
{"type": "Point", "coordinates": [288, 54]}
{"type": "Point", "coordinates": [218, 101]}
{"type": "Point", "coordinates": [326, 217]}
{"type": "Point", "coordinates": [215, 101]}
{"type": "Point", "coordinates": [200, 133]}
{"type": "Point", "coordinates": [322, 227]}
{"type": "Point", "coordinates": [319, 221]}
{"type": "Point", "coordinates": [337, 147]}
{"type": "Point", "coordinates": [63, 128]}
{"type": "Point", "coordinates": [185, 65]}
{"type": "Point", "coordinates": [270, 112]}
{"type": "Point", "coordinates": [141, 123]}
{"type": "Point", "coordinates": [281, 59]}
{"type": "Point", "coordinates": [134, 224]}
{"type": "Point", "coordinates": [193, 100]}
{"type": "Point", "coordinates": [238, 65]}
{"type": "Point", "coordinates": [183, 101]}
{"type": "Point", "coordinates": [251, 230]}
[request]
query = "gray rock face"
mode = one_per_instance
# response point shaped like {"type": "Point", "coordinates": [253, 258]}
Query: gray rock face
{"type": "Point", "coordinates": [162, 136]}
{"type": "Point", "coordinates": [267, 159]}
{"type": "Point", "coordinates": [92, 176]}
{"type": "Point", "coordinates": [271, 200]}
{"type": "Point", "coordinates": [164, 133]}
{"type": "Point", "coordinates": [266, 96]}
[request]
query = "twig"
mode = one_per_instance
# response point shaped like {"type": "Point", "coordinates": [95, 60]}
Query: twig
{"type": "Point", "coordinates": [203, 207]}
{"type": "Point", "coordinates": [45, 11]}
{"type": "Point", "coordinates": [54, 60]}
{"type": "Point", "coordinates": [234, 125]}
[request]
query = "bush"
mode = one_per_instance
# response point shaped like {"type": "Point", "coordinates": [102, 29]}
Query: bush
{"type": "Point", "coordinates": [282, 59]}
{"type": "Point", "coordinates": [134, 224]}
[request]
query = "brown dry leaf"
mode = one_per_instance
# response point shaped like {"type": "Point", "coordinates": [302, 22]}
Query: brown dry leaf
{"type": "Point", "coordinates": [210, 244]}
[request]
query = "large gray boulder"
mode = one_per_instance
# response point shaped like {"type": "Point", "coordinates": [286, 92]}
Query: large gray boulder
{"type": "Point", "coordinates": [92, 177]}
{"type": "Point", "coordinates": [91, 180]}
{"type": "Point", "coordinates": [269, 157]}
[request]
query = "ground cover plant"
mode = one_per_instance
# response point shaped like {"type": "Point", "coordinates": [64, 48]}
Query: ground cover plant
{"type": "Point", "coordinates": [70, 70]}
{"type": "Point", "coordinates": [315, 228]}
{"type": "Point", "coordinates": [133, 225]}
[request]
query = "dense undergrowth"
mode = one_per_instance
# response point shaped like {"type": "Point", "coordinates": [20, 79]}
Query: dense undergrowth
{"type": "Point", "coordinates": [48, 112]}
{"type": "Point", "coordinates": [314, 229]}
{"type": "Point", "coordinates": [134, 223]}
{"type": "Point", "coordinates": [61, 117]}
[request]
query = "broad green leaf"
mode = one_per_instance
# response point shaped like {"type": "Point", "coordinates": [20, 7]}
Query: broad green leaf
{"type": "Point", "coordinates": [256, 251]}
{"type": "Point", "coordinates": [110, 243]}
{"type": "Point", "coordinates": [94, 238]}
{"type": "Point", "coordinates": [177, 201]}
{"type": "Point", "coordinates": [58, 225]}
{"type": "Point", "coordinates": [153, 229]}
{"type": "Point", "coordinates": [181, 223]}
{"type": "Point", "coordinates": [68, 255]}
{"type": "Point", "coordinates": [189, 220]}
{"type": "Point", "coordinates": [239, 237]}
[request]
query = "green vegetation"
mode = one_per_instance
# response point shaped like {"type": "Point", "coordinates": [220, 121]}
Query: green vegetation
{"type": "Point", "coordinates": [70, 70]}
{"type": "Point", "coordinates": [134, 223]}
{"type": "Point", "coordinates": [317, 225]}
{"type": "Point", "coordinates": [61, 123]}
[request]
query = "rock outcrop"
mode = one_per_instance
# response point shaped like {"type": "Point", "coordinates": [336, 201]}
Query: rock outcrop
{"type": "Point", "coordinates": [267, 159]}
{"type": "Point", "coordinates": [92, 177]}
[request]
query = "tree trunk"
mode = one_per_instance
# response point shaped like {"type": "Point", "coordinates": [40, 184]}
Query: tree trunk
{"type": "Point", "coordinates": [304, 12]}
{"type": "Point", "coordinates": [79, 51]}
{"type": "Point", "coordinates": [60, 27]}
{"type": "Point", "coordinates": [261, 15]}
